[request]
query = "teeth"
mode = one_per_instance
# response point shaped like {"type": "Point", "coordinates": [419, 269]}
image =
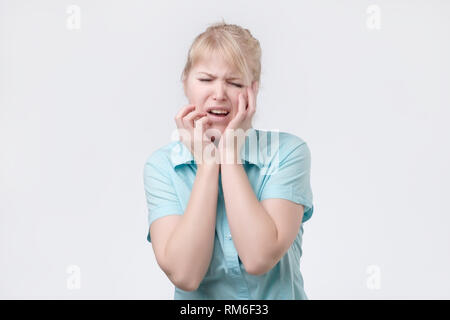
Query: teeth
{"type": "Point", "coordinates": [219, 111]}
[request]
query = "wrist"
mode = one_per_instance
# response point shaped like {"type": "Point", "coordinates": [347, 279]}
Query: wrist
{"type": "Point", "coordinates": [208, 167]}
{"type": "Point", "coordinates": [230, 157]}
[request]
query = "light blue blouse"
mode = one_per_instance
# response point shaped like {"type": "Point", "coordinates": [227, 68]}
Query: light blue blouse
{"type": "Point", "coordinates": [278, 166]}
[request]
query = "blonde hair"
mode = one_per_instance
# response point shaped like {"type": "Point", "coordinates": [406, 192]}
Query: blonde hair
{"type": "Point", "coordinates": [235, 44]}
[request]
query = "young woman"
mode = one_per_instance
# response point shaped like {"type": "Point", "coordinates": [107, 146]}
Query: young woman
{"type": "Point", "coordinates": [225, 219]}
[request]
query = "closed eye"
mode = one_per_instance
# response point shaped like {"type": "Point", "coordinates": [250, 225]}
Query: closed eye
{"type": "Point", "coordinates": [235, 84]}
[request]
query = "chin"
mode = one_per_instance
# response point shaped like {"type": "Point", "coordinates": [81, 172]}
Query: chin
{"type": "Point", "coordinates": [218, 127]}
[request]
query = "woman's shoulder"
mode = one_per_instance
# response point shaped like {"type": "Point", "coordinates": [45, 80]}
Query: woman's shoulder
{"type": "Point", "coordinates": [162, 154]}
{"type": "Point", "coordinates": [286, 140]}
{"type": "Point", "coordinates": [275, 145]}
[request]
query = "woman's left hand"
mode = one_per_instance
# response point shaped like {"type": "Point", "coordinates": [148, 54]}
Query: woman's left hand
{"type": "Point", "coordinates": [242, 121]}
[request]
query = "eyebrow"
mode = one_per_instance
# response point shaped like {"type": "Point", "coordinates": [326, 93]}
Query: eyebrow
{"type": "Point", "coordinates": [230, 78]}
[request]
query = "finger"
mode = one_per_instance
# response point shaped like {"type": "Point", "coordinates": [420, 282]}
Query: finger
{"type": "Point", "coordinates": [251, 101]}
{"type": "Point", "coordinates": [185, 110]}
{"type": "Point", "coordinates": [234, 123]}
{"type": "Point", "coordinates": [190, 118]}
{"type": "Point", "coordinates": [242, 105]}
{"type": "Point", "coordinates": [182, 113]}
{"type": "Point", "coordinates": [202, 123]}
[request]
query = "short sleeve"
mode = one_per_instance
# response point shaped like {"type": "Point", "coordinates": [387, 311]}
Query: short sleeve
{"type": "Point", "coordinates": [161, 196]}
{"type": "Point", "coordinates": [291, 180]}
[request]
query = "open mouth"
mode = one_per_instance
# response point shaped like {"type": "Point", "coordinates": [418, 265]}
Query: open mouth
{"type": "Point", "coordinates": [219, 114]}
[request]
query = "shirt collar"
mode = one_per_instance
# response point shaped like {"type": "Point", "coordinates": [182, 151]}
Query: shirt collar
{"type": "Point", "coordinates": [180, 154]}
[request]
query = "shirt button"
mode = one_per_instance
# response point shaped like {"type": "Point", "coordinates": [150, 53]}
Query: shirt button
{"type": "Point", "coordinates": [229, 236]}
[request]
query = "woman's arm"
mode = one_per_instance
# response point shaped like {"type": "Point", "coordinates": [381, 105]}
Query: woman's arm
{"type": "Point", "coordinates": [253, 230]}
{"type": "Point", "coordinates": [189, 249]}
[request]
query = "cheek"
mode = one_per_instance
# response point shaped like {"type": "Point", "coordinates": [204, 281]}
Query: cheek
{"type": "Point", "coordinates": [195, 92]}
{"type": "Point", "coordinates": [199, 100]}
{"type": "Point", "coordinates": [236, 104]}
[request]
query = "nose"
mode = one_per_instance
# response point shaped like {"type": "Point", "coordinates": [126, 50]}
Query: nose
{"type": "Point", "coordinates": [219, 91]}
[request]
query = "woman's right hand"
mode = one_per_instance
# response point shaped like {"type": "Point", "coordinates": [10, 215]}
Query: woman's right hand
{"type": "Point", "coordinates": [189, 120]}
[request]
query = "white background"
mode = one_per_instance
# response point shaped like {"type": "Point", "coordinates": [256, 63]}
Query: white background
{"type": "Point", "coordinates": [81, 109]}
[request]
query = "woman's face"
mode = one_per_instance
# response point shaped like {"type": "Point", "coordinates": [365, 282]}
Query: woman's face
{"type": "Point", "coordinates": [212, 84]}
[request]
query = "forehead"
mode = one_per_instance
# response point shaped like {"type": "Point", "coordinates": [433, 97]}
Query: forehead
{"type": "Point", "coordinates": [215, 65]}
